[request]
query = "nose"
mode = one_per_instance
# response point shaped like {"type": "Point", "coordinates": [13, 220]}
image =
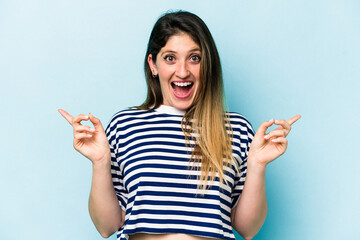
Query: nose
{"type": "Point", "coordinates": [182, 70]}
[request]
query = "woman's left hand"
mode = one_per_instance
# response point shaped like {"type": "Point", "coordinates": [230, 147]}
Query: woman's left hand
{"type": "Point", "coordinates": [265, 148]}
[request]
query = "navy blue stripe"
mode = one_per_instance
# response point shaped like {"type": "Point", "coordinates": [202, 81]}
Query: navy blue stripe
{"type": "Point", "coordinates": [167, 158]}
{"type": "Point", "coordinates": [157, 150]}
{"type": "Point", "coordinates": [175, 185]}
{"type": "Point", "coordinates": [179, 212]}
{"type": "Point", "coordinates": [183, 204]}
{"type": "Point", "coordinates": [121, 200]}
{"type": "Point", "coordinates": [187, 195]}
{"type": "Point", "coordinates": [152, 142]}
{"type": "Point", "coordinates": [161, 166]}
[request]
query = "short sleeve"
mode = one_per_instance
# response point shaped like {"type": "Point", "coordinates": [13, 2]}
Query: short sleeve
{"type": "Point", "coordinates": [116, 172]}
{"type": "Point", "coordinates": [246, 137]}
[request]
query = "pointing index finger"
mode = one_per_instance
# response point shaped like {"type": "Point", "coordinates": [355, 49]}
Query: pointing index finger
{"type": "Point", "coordinates": [66, 115]}
{"type": "Point", "coordinates": [294, 119]}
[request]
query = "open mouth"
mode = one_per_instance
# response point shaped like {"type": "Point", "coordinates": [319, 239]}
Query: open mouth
{"type": "Point", "coordinates": [182, 89]}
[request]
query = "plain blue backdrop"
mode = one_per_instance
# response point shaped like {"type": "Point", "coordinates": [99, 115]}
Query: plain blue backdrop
{"type": "Point", "coordinates": [279, 58]}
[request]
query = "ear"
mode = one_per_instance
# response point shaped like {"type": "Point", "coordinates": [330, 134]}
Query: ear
{"type": "Point", "coordinates": [152, 65]}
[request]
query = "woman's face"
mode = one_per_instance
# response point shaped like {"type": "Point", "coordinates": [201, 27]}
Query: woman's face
{"type": "Point", "coordinates": [178, 67]}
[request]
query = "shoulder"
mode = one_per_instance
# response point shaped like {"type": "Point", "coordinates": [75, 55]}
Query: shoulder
{"type": "Point", "coordinates": [241, 126]}
{"type": "Point", "coordinates": [236, 119]}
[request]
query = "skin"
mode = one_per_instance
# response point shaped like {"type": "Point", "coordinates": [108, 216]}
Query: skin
{"type": "Point", "coordinates": [104, 208]}
{"type": "Point", "coordinates": [178, 61]}
{"type": "Point", "coordinates": [249, 214]}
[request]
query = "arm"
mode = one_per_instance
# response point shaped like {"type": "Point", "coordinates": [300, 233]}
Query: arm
{"type": "Point", "coordinates": [104, 207]}
{"type": "Point", "coordinates": [249, 214]}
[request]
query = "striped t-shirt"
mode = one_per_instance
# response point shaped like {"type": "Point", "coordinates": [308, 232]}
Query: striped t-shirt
{"type": "Point", "coordinates": [156, 184]}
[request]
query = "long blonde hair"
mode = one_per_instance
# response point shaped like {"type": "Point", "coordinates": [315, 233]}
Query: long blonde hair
{"type": "Point", "coordinates": [205, 122]}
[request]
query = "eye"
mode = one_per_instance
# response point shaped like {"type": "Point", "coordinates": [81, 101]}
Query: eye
{"type": "Point", "coordinates": [169, 58]}
{"type": "Point", "coordinates": [195, 58]}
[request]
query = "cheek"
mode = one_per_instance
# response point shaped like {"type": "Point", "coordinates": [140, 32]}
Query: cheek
{"type": "Point", "coordinates": [164, 84]}
{"type": "Point", "coordinates": [164, 74]}
{"type": "Point", "coordinates": [197, 74]}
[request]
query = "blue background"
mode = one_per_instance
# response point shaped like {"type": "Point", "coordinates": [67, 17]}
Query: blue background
{"type": "Point", "coordinates": [279, 58]}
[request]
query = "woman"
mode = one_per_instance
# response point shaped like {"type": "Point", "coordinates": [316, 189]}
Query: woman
{"type": "Point", "coordinates": [178, 162]}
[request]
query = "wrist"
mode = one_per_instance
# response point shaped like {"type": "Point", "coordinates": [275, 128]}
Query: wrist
{"type": "Point", "coordinates": [253, 165]}
{"type": "Point", "coordinates": [103, 163]}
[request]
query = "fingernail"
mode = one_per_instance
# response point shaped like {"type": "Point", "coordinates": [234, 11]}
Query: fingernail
{"type": "Point", "coordinates": [267, 136]}
{"type": "Point", "coordinates": [271, 120]}
{"type": "Point", "coordinates": [277, 121]}
{"type": "Point", "coordinates": [91, 129]}
{"type": "Point", "coordinates": [89, 135]}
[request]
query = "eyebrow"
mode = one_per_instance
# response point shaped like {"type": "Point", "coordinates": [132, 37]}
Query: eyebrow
{"type": "Point", "coordinates": [192, 50]}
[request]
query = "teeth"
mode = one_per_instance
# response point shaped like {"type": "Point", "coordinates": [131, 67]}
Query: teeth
{"type": "Point", "coordinates": [182, 84]}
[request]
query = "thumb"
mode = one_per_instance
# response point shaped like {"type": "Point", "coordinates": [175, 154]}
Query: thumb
{"type": "Point", "coordinates": [95, 121]}
{"type": "Point", "coordinates": [264, 126]}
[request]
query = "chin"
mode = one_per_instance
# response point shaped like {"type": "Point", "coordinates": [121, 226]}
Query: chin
{"type": "Point", "coordinates": [182, 105]}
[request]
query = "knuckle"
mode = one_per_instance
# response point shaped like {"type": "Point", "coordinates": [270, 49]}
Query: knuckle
{"type": "Point", "coordinates": [77, 129]}
{"type": "Point", "coordinates": [79, 136]}
{"type": "Point", "coordinates": [80, 117]}
{"type": "Point", "coordinates": [81, 128]}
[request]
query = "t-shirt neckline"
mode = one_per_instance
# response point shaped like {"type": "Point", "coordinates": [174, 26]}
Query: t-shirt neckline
{"type": "Point", "coordinates": [170, 110]}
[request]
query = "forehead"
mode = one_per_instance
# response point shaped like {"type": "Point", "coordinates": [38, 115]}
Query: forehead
{"type": "Point", "coordinates": [180, 42]}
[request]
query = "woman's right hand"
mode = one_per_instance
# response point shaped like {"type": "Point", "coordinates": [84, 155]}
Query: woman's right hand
{"type": "Point", "coordinates": [92, 143]}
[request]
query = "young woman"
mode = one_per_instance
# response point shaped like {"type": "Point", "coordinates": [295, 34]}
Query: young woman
{"type": "Point", "coordinates": [175, 167]}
